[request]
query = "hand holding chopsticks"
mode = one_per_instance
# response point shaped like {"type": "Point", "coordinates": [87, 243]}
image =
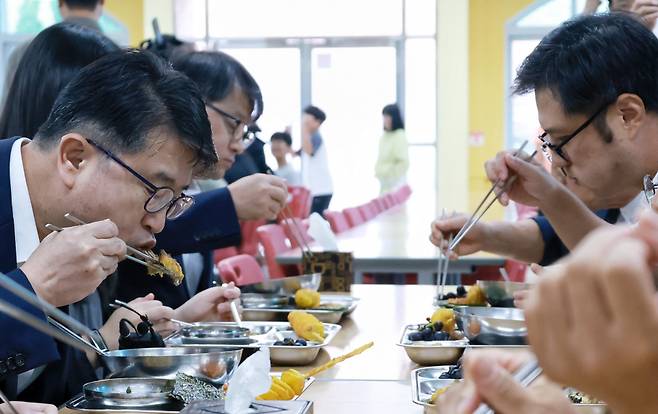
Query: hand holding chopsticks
{"type": "Point", "coordinates": [499, 187]}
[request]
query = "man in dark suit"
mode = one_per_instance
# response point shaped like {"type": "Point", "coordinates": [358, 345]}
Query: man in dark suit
{"type": "Point", "coordinates": [119, 152]}
{"type": "Point", "coordinates": [233, 101]}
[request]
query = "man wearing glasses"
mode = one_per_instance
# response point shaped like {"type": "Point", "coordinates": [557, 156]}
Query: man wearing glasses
{"type": "Point", "coordinates": [607, 285]}
{"type": "Point", "coordinates": [121, 145]}
{"type": "Point", "coordinates": [600, 127]}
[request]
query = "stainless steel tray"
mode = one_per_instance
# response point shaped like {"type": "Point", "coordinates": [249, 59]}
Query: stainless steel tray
{"type": "Point", "coordinates": [442, 352]}
{"type": "Point", "coordinates": [424, 381]}
{"type": "Point", "coordinates": [260, 336]}
{"type": "Point", "coordinates": [287, 285]}
{"type": "Point", "coordinates": [267, 310]}
{"type": "Point", "coordinates": [257, 407]}
{"type": "Point", "coordinates": [129, 392]}
{"type": "Point", "coordinates": [80, 403]}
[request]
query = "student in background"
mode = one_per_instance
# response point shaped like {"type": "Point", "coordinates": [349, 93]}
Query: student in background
{"type": "Point", "coordinates": [393, 159]}
{"type": "Point", "coordinates": [281, 147]}
{"type": "Point", "coordinates": [315, 164]}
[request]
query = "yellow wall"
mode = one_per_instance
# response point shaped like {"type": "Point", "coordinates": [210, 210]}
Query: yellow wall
{"type": "Point", "coordinates": [131, 14]}
{"type": "Point", "coordinates": [486, 41]}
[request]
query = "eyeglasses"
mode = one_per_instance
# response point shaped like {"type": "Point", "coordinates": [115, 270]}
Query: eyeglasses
{"type": "Point", "coordinates": [161, 197]}
{"type": "Point", "coordinates": [236, 132]}
{"type": "Point", "coordinates": [548, 148]}
{"type": "Point", "coordinates": [649, 188]}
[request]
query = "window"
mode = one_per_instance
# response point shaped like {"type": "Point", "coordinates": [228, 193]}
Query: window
{"type": "Point", "coordinates": [350, 58]}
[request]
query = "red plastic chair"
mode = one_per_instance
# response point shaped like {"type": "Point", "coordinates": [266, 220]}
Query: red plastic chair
{"type": "Point", "coordinates": [354, 216]}
{"type": "Point", "coordinates": [226, 252]}
{"type": "Point", "coordinates": [249, 243]}
{"type": "Point", "coordinates": [274, 241]}
{"type": "Point", "coordinates": [337, 220]}
{"type": "Point", "coordinates": [242, 270]}
{"type": "Point", "coordinates": [299, 202]}
{"type": "Point", "coordinates": [293, 230]}
{"type": "Point", "coordinates": [367, 212]}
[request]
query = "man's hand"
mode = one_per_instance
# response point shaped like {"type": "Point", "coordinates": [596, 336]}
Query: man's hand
{"type": "Point", "coordinates": [259, 196]}
{"type": "Point", "coordinates": [29, 408]}
{"type": "Point", "coordinates": [488, 377]}
{"type": "Point", "coordinates": [473, 242]}
{"type": "Point", "coordinates": [647, 10]}
{"type": "Point", "coordinates": [158, 314]}
{"type": "Point", "coordinates": [532, 186]}
{"type": "Point", "coordinates": [69, 265]}
{"type": "Point", "coordinates": [209, 305]}
{"type": "Point", "coordinates": [603, 300]}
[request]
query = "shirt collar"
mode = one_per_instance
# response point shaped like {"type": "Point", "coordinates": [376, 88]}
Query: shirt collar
{"type": "Point", "coordinates": [631, 211]}
{"type": "Point", "coordinates": [25, 227]}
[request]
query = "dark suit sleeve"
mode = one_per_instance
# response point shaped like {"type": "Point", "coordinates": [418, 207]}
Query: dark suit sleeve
{"type": "Point", "coordinates": [554, 249]}
{"type": "Point", "coordinates": [211, 223]}
{"type": "Point", "coordinates": [22, 348]}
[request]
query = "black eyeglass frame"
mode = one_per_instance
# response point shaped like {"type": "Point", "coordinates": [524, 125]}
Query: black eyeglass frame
{"type": "Point", "coordinates": [236, 121]}
{"type": "Point", "coordinates": [176, 206]}
{"type": "Point", "coordinates": [548, 147]}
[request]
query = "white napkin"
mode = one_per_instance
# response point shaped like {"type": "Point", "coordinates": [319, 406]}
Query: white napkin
{"type": "Point", "coordinates": [251, 379]}
{"type": "Point", "coordinates": [320, 230]}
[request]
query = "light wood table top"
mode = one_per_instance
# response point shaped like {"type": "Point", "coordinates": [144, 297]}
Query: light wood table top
{"type": "Point", "coordinates": [396, 241]}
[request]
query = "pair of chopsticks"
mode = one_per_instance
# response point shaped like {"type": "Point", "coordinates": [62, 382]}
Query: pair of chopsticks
{"type": "Point", "coordinates": [477, 214]}
{"type": "Point", "coordinates": [525, 376]}
{"type": "Point", "coordinates": [299, 235]}
{"type": "Point", "coordinates": [145, 260]}
{"type": "Point", "coordinates": [62, 327]}
{"type": "Point", "coordinates": [442, 269]}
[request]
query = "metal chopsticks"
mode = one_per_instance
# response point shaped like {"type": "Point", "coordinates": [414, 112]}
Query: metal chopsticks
{"type": "Point", "coordinates": [477, 214]}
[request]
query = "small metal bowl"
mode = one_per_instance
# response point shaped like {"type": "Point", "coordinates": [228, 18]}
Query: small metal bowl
{"type": "Point", "coordinates": [500, 293]}
{"type": "Point", "coordinates": [209, 333]}
{"type": "Point", "coordinates": [492, 326]}
{"type": "Point", "coordinates": [213, 364]}
{"type": "Point", "coordinates": [129, 392]}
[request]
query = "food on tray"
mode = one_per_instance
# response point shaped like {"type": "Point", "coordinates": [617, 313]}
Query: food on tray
{"type": "Point", "coordinates": [474, 297]}
{"type": "Point", "coordinates": [440, 327]}
{"type": "Point", "coordinates": [291, 342]}
{"type": "Point", "coordinates": [461, 293]}
{"type": "Point", "coordinates": [291, 383]}
{"type": "Point", "coordinates": [175, 271]}
{"type": "Point", "coordinates": [578, 397]}
{"type": "Point", "coordinates": [188, 389]}
{"type": "Point", "coordinates": [454, 372]}
{"type": "Point", "coordinates": [307, 298]}
{"type": "Point", "coordinates": [439, 392]}
{"type": "Point", "coordinates": [306, 326]}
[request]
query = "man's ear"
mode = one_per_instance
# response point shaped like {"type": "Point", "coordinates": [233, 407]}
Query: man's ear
{"type": "Point", "coordinates": [73, 155]}
{"type": "Point", "coordinates": [632, 113]}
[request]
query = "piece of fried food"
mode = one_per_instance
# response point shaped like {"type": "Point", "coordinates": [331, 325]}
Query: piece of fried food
{"type": "Point", "coordinates": [446, 317]}
{"type": "Point", "coordinates": [307, 298]}
{"type": "Point", "coordinates": [175, 271]}
{"type": "Point", "coordinates": [306, 326]}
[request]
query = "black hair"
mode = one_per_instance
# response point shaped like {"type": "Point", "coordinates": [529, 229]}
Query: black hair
{"type": "Point", "coordinates": [216, 74]}
{"type": "Point", "coordinates": [316, 113]}
{"type": "Point", "coordinates": [282, 136]}
{"type": "Point", "coordinates": [50, 61]}
{"type": "Point", "coordinates": [587, 62]}
{"type": "Point", "coordinates": [393, 110]}
{"type": "Point", "coordinates": [122, 98]}
{"type": "Point", "coordinates": [81, 4]}
{"type": "Point", "coordinates": [167, 46]}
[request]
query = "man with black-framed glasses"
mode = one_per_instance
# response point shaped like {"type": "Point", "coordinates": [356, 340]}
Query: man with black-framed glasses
{"type": "Point", "coordinates": [119, 155]}
{"type": "Point", "coordinates": [600, 126]}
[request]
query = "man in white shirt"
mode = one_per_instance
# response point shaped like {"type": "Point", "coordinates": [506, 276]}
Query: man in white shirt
{"type": "Point", "coordinates": [315, 164]}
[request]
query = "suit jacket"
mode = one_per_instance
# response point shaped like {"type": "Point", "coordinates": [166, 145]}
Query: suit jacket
{"type": "Point", "coordinates": [554, 249]}
{"type": "Point", "coordinates": [21, 348]}
{"type": "Point", "coordinates": [212, 223]}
